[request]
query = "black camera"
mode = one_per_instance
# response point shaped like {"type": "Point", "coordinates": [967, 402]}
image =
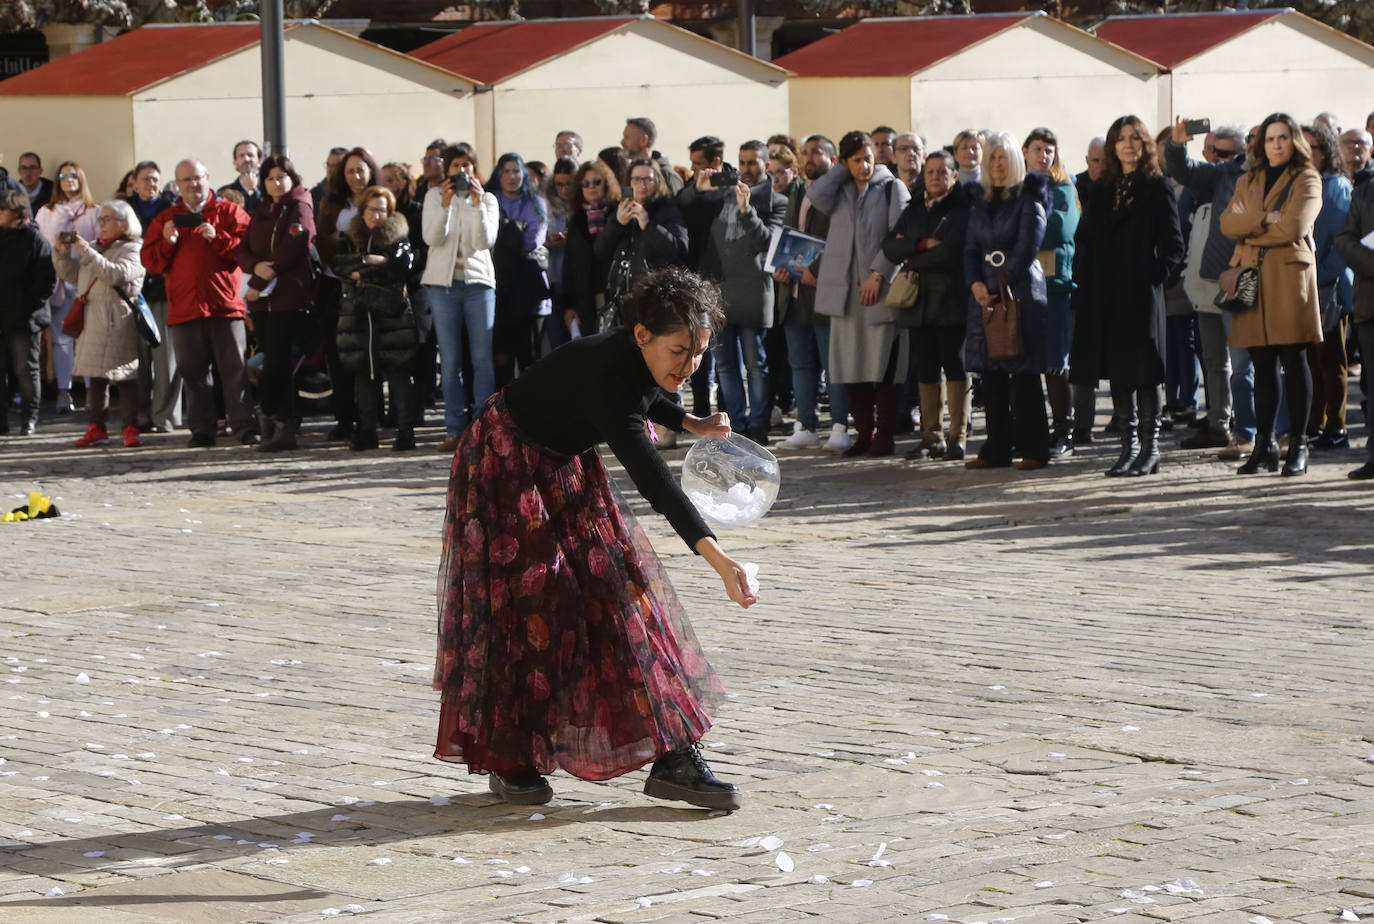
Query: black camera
{"type": "Point", "coordinates": [459, 182]}
{"type": "Point", "coordinates": [725, 176]}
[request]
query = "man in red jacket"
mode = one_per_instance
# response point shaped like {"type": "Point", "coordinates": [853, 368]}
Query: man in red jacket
{"type": "Point", "coordinates": [192, 245]}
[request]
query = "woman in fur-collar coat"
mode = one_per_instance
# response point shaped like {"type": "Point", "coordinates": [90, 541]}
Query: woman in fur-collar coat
{"type": "Point", "coordinates": [377, 335]}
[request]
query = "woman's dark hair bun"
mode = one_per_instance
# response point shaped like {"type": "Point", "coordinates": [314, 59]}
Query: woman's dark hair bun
{"type": "Point", "coordinates": [672, 298]}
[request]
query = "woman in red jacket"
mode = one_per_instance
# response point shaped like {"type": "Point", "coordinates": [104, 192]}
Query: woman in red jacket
{"type": "Point", "coordinates": [276, 251]}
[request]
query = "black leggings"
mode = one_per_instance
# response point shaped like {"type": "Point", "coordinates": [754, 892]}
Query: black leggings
{"type": "Point", "coordinates": [1297, 387]}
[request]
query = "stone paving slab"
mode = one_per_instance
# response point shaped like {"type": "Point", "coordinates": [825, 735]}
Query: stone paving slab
{"type": "Point", "coordinates": [1038, 690]}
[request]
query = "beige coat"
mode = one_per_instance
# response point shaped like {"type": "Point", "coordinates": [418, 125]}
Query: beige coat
{"type": "Point", "coordinates": [1287, 311]}
{"type": "Point", "coordinates": [108, 345]}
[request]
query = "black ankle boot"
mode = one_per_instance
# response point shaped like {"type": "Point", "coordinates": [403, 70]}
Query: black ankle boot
{"type": "Point", "coordinates": [682, 775]}
{"type": "Point", "coordinates": [1296, 463]}
{"type": "Point", "coordinates": [1265, 454]}
{"type": "Point", "coordinates": [521, 787]}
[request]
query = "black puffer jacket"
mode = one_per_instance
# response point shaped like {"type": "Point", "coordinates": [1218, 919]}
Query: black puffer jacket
{"type": "Point", "coordinates": [27, 279]}
{"type": "Point", "coordinates": [369, 343]}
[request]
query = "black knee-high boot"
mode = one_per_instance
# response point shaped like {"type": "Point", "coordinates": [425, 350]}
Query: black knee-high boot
{"type": "Point", "coordinates": [1148, 401]}
{"type": "Point", "coordinates": [1123, 409]}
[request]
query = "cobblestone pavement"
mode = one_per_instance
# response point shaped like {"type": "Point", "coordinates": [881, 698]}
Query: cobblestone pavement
{"type": "Point", "coordinates": [966, 696]}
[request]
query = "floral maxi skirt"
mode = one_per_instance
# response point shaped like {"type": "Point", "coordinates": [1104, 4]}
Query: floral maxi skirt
{"type": "Point", "coordinates": [562, 645]}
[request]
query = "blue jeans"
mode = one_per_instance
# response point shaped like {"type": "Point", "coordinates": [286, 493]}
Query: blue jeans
{"type": "Point", "coordinates": [458, 307]}
{"type": "Point", "coordinates": [1242, 388]}
{"type": "Point", "coordinates": [1183, 372]}
{"type": "Point", "coordinates": [808, 350]}
{"type": "Point", "coordinates": [734, 344]}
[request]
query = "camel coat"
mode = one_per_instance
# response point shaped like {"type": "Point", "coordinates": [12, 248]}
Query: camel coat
{"type": "Point", "coordinates": [1286, 311]}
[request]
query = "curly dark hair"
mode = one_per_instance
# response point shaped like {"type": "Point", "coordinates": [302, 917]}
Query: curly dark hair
{"type": "Point", "coordinates": [672, 298]}
{"type": "Point", "coordinates": [1149, 157]}
{"type": "Point", "coordinates": [1326, 142]}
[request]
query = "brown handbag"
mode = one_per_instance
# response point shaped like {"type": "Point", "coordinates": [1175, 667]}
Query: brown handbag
{"type": "Point", "coordinates": [1002, 324]}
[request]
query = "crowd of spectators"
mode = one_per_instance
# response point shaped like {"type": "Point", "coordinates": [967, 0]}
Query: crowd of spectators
{"type": "Point", "coordinates": [383, 291]}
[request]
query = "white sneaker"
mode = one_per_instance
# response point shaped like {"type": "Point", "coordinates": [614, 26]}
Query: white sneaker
{"type": "Point", "coordinates": [801, 439]}
{"type": "Point", "coordinates": [840, 440]}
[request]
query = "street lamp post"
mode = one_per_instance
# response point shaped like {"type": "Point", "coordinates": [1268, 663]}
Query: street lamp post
{"type": "Point", "coordinates": [273, 46]}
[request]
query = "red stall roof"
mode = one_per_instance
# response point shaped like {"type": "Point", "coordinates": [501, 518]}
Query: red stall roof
{"type": "Point", "coordinates": [489, 52]}
{"type": "Point", "coordinates": [1171, 40]}
{"type": "Point", "coordinates": [130, 62]}
{"type": "Point", "coordinates": [895, 47]}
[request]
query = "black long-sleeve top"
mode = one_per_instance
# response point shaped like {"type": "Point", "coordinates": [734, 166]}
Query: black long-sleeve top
{"type": "Point", "coordinates": [598, 389]}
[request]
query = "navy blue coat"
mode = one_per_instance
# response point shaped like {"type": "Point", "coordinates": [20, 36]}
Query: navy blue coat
{"type": "Point", "coordinates": [1016, 228]}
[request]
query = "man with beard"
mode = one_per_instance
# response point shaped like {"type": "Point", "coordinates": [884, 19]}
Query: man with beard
{"type": "Point", "coordinates": [808, 333]}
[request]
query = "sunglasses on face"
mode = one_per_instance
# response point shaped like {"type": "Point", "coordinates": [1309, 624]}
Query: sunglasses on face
{"type": "Point", "coordinates": [1223, 153]}
{"type": "Point", "coordinates": [68, 176]}
{"type": "Point", "coordinates": [588, 184]}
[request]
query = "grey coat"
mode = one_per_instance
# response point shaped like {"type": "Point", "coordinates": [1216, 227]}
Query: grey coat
{"type": "Point", "coordinates": [108, 345]}
{"type": "Point", "coordinates": [1214, 183]}
{"type": "Point", "coordinates": [737, 251]}
{"type": "Point", "coordinates": [1359, 221]}
{"type": "Point", "coordinates": [854, 242]}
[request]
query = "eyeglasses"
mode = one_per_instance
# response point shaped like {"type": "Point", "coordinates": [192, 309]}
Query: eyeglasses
{"type": "Point", "coordinates": [588, 184]}
{"type": "Point", "coordinates": [907, 147]}
{"type": "Point", "coordinates": [642, 179]}
{"type": "Point", "coordinates": [68, 176]}
{"type": "Point", "coordinates": [436, 159]}
{"type": "Point", "coordinates": [786, 171]}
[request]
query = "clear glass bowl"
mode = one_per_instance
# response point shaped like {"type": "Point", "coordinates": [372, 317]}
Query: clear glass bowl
{"type": "Point", "coordinates": [732, 482]}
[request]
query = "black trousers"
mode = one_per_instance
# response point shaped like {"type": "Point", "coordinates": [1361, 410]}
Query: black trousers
{"type": "Point", "coordinates": [20, 371]}
{"type": "Point", "coordinates": [1297, 387]}
{"type": "Point", "coordinates": [1014, 409]}
{"type": "Point", "coordinates": [936, 348]}
{"type": "Point", "coordinates": [278, 333]}
{"type": "Point", "coordinates": [327, 298]}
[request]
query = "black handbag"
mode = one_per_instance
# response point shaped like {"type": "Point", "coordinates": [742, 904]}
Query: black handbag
{"type": "Point", "coordinates": [1239, 285]}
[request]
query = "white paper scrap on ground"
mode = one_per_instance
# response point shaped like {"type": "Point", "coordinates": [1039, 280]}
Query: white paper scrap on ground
{"type": "Point", "coordinates": [1348, 915]}
{"type": "Point", "coordinates": [817, 880]}
{"type": "Point", "coordinates": [1183, 887]}
{"type": "Point", "coordinates": [1044, 884]}
{"type": "Point", "coordinates": [1258, 919]}
{"type": "Point", "coordinates": [861, 883]}
{"type": "Point", "coordinates": [785, 862]}
{"type": "Point", "coordinates": [1137, 896]}
{"type": "Point", "coordinates": [771, 842]}
{"type": "Point", "coordinates": [379, 861]}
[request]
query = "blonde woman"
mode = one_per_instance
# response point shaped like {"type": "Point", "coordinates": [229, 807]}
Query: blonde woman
{"type": "Point", "coordinates": [69, 214]}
